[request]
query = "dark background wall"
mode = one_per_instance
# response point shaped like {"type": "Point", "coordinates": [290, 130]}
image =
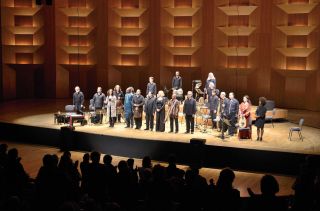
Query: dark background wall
{"type": "Point", "coordinates": [254, 47]}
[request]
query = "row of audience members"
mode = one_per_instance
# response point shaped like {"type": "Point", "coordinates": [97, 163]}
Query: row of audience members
{"type": "Point", "coordinates": [102, 186]}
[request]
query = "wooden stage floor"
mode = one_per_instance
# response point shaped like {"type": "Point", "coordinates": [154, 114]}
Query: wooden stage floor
{"type": "Point", "coordinates": [39, 113]}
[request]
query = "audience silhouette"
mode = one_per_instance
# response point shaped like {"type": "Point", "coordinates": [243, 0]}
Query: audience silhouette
{"type": "Point", "coordinates": [102, 186]}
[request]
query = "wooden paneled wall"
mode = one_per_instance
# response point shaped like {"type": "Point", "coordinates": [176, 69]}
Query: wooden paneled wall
{"type": "Point", "coordinates": [255, 47]}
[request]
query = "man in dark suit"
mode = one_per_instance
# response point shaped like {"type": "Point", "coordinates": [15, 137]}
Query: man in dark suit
{"type": "Point", "coordinates": [78, 99]}
{"type": "Point", "coordinates": [233, 109]}
{"type": "Point", "coordinates": [213, 102]}
{"type": "Point", "coordinates": [224, 105]}
{"type": "Point", "coordinates": [98, 102]}
{"type": "Point", "coordinates": [151, 87]}
{"type": "Point", "coordinates": [189, 111]}
{"type": "Point", "coordinates": [176, 81]}
{"type": "Point", "coordinates": [150, 109]}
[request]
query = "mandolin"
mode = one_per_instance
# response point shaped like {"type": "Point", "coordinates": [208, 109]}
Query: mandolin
{"type": "Point", "coordinates": [242, 122]}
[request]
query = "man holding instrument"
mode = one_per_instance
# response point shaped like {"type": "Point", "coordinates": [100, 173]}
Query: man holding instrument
{"type": "Point", "coordinates": [173, 113]}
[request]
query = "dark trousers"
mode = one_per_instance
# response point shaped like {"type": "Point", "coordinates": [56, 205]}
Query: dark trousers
{"type": "Point", "coordinates": [160, 124]}
{"type": "Point", "coordinates": [119, 117]}
{"type": "Point", "coordinates": [190, 123]}
{"type": "Point", "coordinates": [213, 117]}
{"type": "Point", "coordinates": [175, 120]}
{"type": "Point", "coordinates": [138, 122]}
{"type": "Point", "coordinates": [111, 121]}
{"type": "Point", "coordinates": [233, 120]}
{"type": "Point", "coordinates": [149, 121]}
{"type": "Point", "coordinates": [78, 109]}
{"type": "Point", "coordinates": [129, 120]}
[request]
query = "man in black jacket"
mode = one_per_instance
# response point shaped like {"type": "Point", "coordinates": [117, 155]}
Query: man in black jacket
{"type": "Point", "coordinates": [149, 109]}
{"type": "Point", "coordinates": [98, 102]}
{"type": "Point", "coordinates": [78, 99]}
{"type": "Point", "coordinates": [137, 104]}
{"type": "Point", "coordinates": [151, 87]}
{"type": "Point", "coordinates": [176, 81]}
{"type": "Point", "coordinates": [189, 111]}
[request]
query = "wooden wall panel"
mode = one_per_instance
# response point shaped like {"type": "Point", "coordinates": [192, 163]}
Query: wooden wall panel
{"type": "Point", "coordinates": [251, 50]}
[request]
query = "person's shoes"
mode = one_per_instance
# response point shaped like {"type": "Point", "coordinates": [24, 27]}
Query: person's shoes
{"type": "Point", "coordinates": [258, 139]}
{"type": "Point", "coordinates": [136, 128]}
{"type": "Point", "coordinates": [191, 132]}
{"type": "Point", "coordinates": [186, 132]}
{"type": "Point", "coordinates": [127, 126]}
{"type": "Point", "coordinates": [151, 129]}
{"type": "Point", "coordinates": [131, 126]}
{"type": "Point", "coordinates": [177, 131]}
{"type": "Point", "coordinates": [170, 131]}
{"type": "Point", "coordinates": [146, 129]}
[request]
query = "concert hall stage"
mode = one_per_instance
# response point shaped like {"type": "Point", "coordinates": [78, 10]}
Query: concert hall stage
{"type": "Point", "coordinates": [31, 121]}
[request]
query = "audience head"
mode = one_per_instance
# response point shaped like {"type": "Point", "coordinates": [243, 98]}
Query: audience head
{"type": "Point", "coordinates": [151, 79]}
{"type": "Point", "coordinates": [177, 73]}
{"type": "Point", "coordinates": [138, 92]}
{"type": "Point", "coordinates": [3, 148]}
{"type": "Point", "coordinates": [95, 157]}
{"type": "Point", "coordinates": [13, 154]}
{"type": "Point", "coordinates": [150, 94]}
{"type": "Point", "coordinates": [160, 93]}
{"type": "Point", "coordinates": [107, 159]}
{"type": "Point", "coordinates": [174, 96]}
{"type": "Point", "coordinates": [146, 162]}
{"type": "Point", "coordinates": [99, 89]}
{"type": "Point", "coordinates": [130, 163]}
{"type": "Point", "coordinates": [86, 158]}
{"type": "Point", "coordinates": [123, 166]}
{"type": "Point", "coordinates": [226, 178]}
{"type": "Point", "coordinates": [269, 185]}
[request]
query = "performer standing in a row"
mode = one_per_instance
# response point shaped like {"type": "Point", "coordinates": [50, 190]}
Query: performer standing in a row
{"type": "Point", "coordinates": [137, 107]}
{"type": "Point", "coordinates": [260, 118]}
{"type": "Point", "coordinates": [213, 102]}
{"type": "Point", "coordinates": [233, 109]}
{"type": "Point", "coordinates": [210, 79]}
{"type": "Point", "coordinates": [128, 107]}
{"type": "Point", "coordinates": [189, 110]}
{"type": "Point", "coordinates": [149, 109]}
{"type": "Point", "coordinates": [78, 99]}
{"type": "Point", "coordinates": [173, 109]}
{"type": "Point", "coordinates": [223, 111]}
{"type": "Point", "coordinates": [98, 102]}
{"type": "Point", "coordinates": [110, 103]}
{"type": "Point", "coordinates": [245, 110]}
{"type": "Point", "coordinates": [151, 87]}
{"type": "Point", "coordinates": [119, 96]}
{"type": "Point", "coordinates": [176, 81]}
{"type": "Point", "coordinates": [160, 111]}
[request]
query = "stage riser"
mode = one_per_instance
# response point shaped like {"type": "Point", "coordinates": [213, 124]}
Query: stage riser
{"type": "Point", "coordinates": [210, 156]}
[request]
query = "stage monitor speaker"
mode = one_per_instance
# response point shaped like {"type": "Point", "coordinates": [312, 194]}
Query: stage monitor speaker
{"type": "Point", "coordinates": [270, 105]}
{"type": "Point", "coordinates": [66, 138]}
{"type": "Point", "coordinates": [197, 152]}
{"type": "Point", "coordinates": [198, 141]}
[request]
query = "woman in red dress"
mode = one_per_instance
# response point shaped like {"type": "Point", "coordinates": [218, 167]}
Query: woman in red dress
{"type": "Point", "coordinates": [245, 110]}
